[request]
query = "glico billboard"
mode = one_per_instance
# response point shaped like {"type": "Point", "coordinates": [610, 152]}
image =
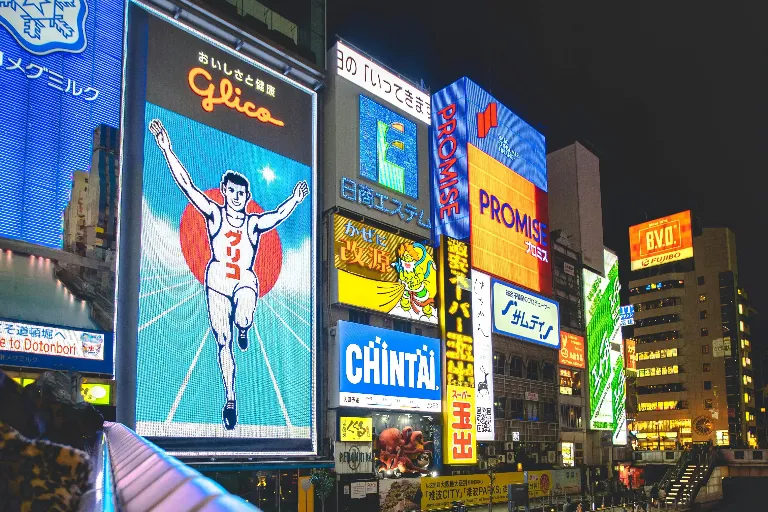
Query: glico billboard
{"type": "Point", "coordinates": [60, 77]}
{"type": "Point", "coordinates": [605, 353]}
{"type": "Point", "coordinates": [227, 296]}
{"type": "Point", "coordinates": [489, 185]}
{"type": "Point", "coordinates": [661, 241]}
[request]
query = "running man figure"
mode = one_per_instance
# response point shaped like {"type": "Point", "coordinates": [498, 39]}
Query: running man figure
{"type": "Point", "coordinates": [232, 288]}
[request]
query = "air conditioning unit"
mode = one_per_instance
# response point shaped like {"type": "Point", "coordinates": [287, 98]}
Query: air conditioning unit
{"type": "Point", "coordinates": [510, 458]}
{"type": "Point", "coordinates": [509, 446]}
{"type": "Point", "coordinates": [490, 451]}
{"type": "Point", "coordinates": [534, 457]}
{"type": "Point", "coordinates": [501, 459]}
{"type": "Point", "coordinates": [483, 464]}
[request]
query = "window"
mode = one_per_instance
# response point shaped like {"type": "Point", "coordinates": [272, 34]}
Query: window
{"type": "Point", "coordinates": [531, 411]}
{"type": "Point", "coordinates": [516, 409]}
{"type": "Point", "coordinates": [532, 370]}
{"type": "Point", "coordinates": [359, 317]}
{"type": "Point", "coordinates": [401, 325]}
{"type": "Point", "coordinates": [708, 403]}
{"type": "Point", "coordinates": [703, 314]}
{"type": "Point", "coordinates": [657, 354]}
{"type": "Point", "coordinates": [700, 280]}
{"type": "Point", "coordinates": [658, 303]}
{"type": "Point", "coordinates": [657, 320]}
{"type": "Point", "coordinates": [705, 349]}
{"type": "Point", "coordinates": [656, 287]}
{"type": "Point", "coordinates": [658, 370]}
{"type": "Point", "coordinates": [706, 367]}
{"type": "Point", "coordinates": [499, 407]}
{"type": "Point", "coordinates": [576, 383]}
{"type": "Point", "coordinates": [702, 297]}
{"type": "Point", "coordinates": [704, 332]}
{"type": "Point", "coordinates": [570, 416]}
{"type": "Point", "coordinates": [516, 366]}
{"type": "Point", "coordinates": [548, 372]}
{"type": "Point", "coordinates": [707, 385]}
{"type": "Point", "coordinates": [548, 411]}
{"type": "Point", "coordinates": [659, 336]}
{"type": "Point", "coordinates": [499, 361]}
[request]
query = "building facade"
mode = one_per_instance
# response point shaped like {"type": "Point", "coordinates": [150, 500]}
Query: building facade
{"type": "Point", "coordinates": [695, 380]}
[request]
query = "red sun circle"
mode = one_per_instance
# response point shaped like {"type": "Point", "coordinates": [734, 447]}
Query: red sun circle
{"type": "Point", "coordinates": [193, 235]}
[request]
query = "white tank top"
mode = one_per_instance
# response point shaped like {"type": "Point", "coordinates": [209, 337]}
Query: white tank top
{"type": "Point", "coordinates": [232, 246]}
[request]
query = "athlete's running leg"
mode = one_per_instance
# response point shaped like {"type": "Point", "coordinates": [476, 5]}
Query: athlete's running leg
{"type": "Point", "coordinates": [220, 314]}
{"type": "Point", "coordinates": [245, 305]}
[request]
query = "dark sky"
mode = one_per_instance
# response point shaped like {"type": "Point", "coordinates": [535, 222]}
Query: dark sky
{"type": "Point", "coordinates": [671, 95]}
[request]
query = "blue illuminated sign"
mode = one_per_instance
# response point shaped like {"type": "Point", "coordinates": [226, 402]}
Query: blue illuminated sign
{"type": "Point", "coordinates": [383, 369]}
{"type": "Point", "coordinates": [388, 150]}
{"type": "Point", "coordinates": [463, 113]}
{"type": "Point", "coordinates": [627, 315]}
{"type": "Point", "coordinates": [53, 100]}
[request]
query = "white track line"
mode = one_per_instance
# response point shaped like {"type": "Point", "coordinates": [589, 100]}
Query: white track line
{"type": "Point", "coordinates": [161, 315]}
{"type": "Point", "coordinates": [184, 383]}
{"type": "Point", "coordinates": [158, 276]}
{"type": "Point", "coordinates": [291, 310]}
{"type": "Point", "coordinates": [286, 325]}
{"type": "Point", "coordinates": [149, 294]}
{"type": "Point", "coordinates": [286, 297]}
{"type": "Point", "coordinates": [272, 376]}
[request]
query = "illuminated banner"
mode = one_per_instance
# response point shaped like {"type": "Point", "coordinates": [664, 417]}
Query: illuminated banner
{"type": "Point", "coordinates": [378, 80]}
{"type": "Point", "coordinates": [661, 241]}
{"type": "Point", "coordinates": [481, 323]}
{"type": "Point", "coordinates": [525, 315]}
{"type": "Point", "coordinates": [56, 348]}
{"type": "Point", "coordinates": [383, 369]}
{"type": "Point", "coordinates": [456, 320]}
{"type": "Point", "coordinates": [605, 355]}
{"type": "Point", "coordinates": [384, 174]}
{"type": "Point", "coordinates": [96, 393]}
{"type": "Point", "coordinates": [631, 355]}
{"type": "Point", "coordinates": [464, 114]}
{"type": "Point", "coordinates": [60, 73]}
{"type": "Point", "coordinates": [439, 493]}
{"type": "Point", "coordinates": [355, 429]}
{"type": "Point", "coordinates": [226, 327]}
{"type": "Point", "coordinates": [571, 350]}
{"type": "Point", "coordinates": [384, 272]}
{"type": "Point", "coordinates": [627, 314]}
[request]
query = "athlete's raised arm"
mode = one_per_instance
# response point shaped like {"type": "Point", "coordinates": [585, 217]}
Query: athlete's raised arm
{"type": "Point", "coordinates": [269, 220]}
{"type": "Point", "coordinates": [180, 174]}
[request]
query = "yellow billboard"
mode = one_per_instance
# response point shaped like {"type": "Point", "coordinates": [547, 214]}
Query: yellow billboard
{"type": "Point", "coordinates": [352, 428]}
{"type": "Point", "coordinates": [384, 272]}
{"type": "Point", "coordinates": [439, 493]}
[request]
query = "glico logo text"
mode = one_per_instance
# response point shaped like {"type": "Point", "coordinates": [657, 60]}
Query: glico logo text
{"type": "Point", "coordinates": [513, 218]}
{"type": "Point", "coordinates": [446, 149]}
{"type": "Point", "coordinates": [225, 97]}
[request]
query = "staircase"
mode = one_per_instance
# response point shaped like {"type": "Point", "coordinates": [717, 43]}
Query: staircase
{"type": "Point", "coordinates": [684, 488]}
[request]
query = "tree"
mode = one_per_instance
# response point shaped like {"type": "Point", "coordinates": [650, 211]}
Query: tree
{"type": "Point", "coordinates": [493, 467]}
{"type": "Point", "coordinates": [322, 480]}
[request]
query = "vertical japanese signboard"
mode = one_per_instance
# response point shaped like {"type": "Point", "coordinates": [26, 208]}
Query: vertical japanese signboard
{"type": "Point", "coordinates": [226, 300]}
{"type": "Point", "coordinates": [605, 355]}
{"type": "Point", "coordinates": [481, 323]}
{"type": "Point", "coordinates": [384, 272]}
{"type": "Point", "coordinates": [459, 395]}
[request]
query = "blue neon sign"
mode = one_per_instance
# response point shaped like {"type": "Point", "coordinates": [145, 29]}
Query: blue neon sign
{"type": "Point", "coordinates": [53, 100]}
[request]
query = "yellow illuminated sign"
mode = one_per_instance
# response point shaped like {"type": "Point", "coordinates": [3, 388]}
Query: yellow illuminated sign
{"type": "Point", "coordinates": [352, 428]}
{"type": "Point", "coordinates": [97, 393]}
{"type": "Point", "coordinates": [459, 400]}
{"type": "Point", "coordinates": [384, 272]}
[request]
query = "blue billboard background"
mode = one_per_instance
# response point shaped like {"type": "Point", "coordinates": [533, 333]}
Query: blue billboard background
{"type": "Point", "coordinates": [511, 141]}
{"type": "Point", "coordinates": [49, 107]}
{"type": "Point", "coordinates": [397, 344]}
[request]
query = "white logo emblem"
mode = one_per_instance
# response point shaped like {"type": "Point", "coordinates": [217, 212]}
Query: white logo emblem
{"type": "Point", "coordinates": [46, 26]}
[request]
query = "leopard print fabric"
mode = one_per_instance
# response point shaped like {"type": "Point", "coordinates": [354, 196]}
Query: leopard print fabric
{"type": "Point", "coordinates": [39, 475]}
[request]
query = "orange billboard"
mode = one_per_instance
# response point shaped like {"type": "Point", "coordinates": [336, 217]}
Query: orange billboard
{"type": "Point", "coordinates": [571, 350]}
{"type": "Point", "coordinates": [509, 221]}
{"type": "Point", "coordinates": [630, 360]}
{"type": "Point", "coordinates": [661, 241]}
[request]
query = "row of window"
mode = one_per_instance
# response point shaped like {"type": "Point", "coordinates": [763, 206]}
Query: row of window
{"type": "Point", "coordinates": [657, 320]}
{"type": "Point", "coordinates": [516, 368]}
{"type": "Point", "coordinates": [525, 410]}
{"type": "Point", "coordinates": [659, 303]}
{"type": "Point", "coordinates": [659, 336]}
{"type": "Point", "coordinates": [662, 425]}
{"type": "Point", "coordinates": [570, 416]}
{"type": "Point", "coordinates": [663, 406]}
{"type": "Point", "coordinates": [657, 354]}
{"type": "Point", "coordinates": [656, 287]}
{"type": "Point", "coordinates": [673, 387]}
{"type": "Point", "coordinates": [658, 370]}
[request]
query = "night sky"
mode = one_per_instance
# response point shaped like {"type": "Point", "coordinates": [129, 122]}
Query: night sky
{"type": "Point", "coordinates": [671, 96]}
